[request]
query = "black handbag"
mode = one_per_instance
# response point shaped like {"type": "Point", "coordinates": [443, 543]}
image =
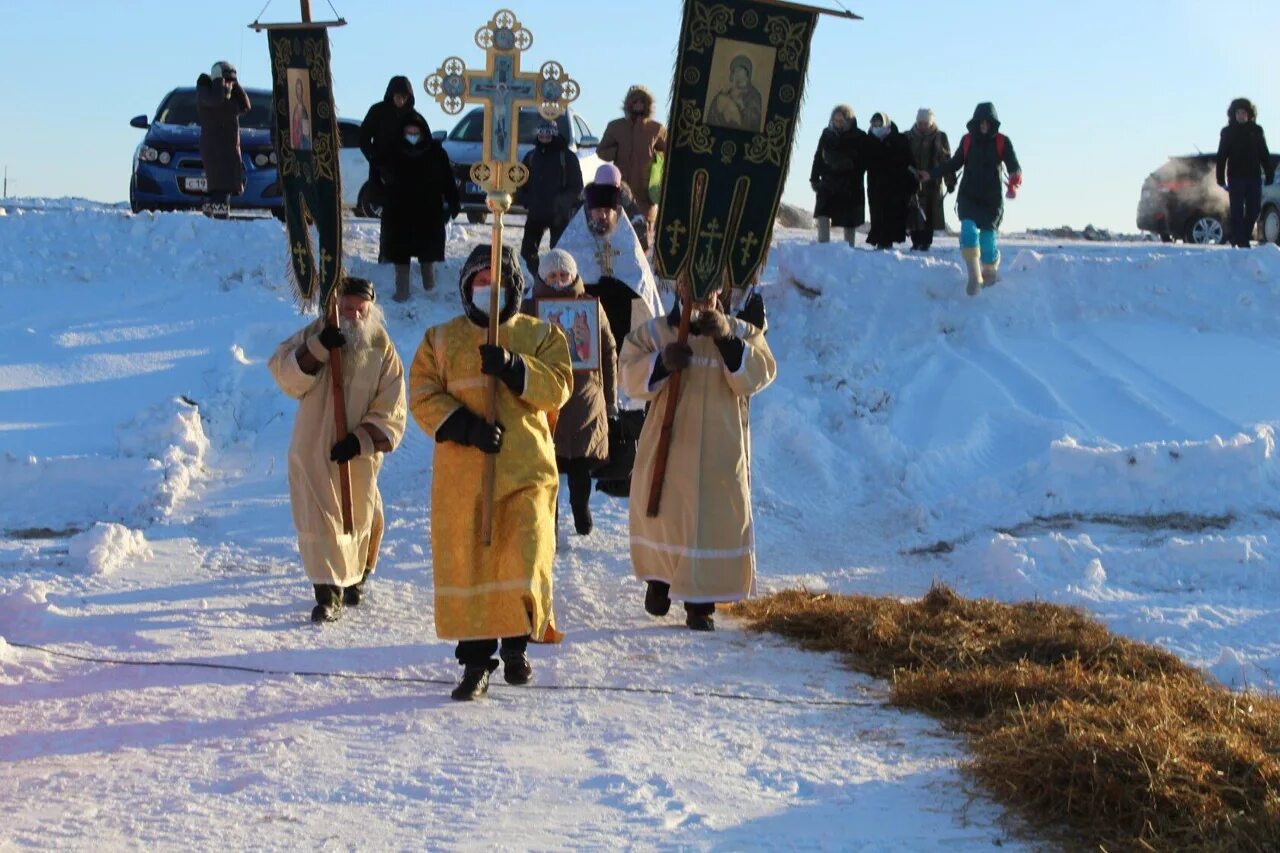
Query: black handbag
{"type": "Point", "coordinates": [614, 476]}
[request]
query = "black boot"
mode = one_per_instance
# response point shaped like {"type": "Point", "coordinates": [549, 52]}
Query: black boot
{"type": "Point", "coordinates": [475, 681]}
{"type": "Point", "coordinates": [657, 602]}
{"type": "Point", "coordinates": [699, 617]}
{"type": "Point", "coordinates": [352, 595]}
{"type": "Point", "coordinates": [515, 660]}
{"type": "Point", "coordinates": [579, 472]}
{"type": "Point", "coordinates": [328, 603]}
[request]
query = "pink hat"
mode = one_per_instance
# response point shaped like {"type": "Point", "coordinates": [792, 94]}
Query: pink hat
{"type": "Point", "coordinates": [608, 174]}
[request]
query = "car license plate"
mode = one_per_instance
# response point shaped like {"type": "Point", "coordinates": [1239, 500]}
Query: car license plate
{"type": "Point", "coordinates": [473, 187]}
{"type": "Point", "coordinates": [196, 185]}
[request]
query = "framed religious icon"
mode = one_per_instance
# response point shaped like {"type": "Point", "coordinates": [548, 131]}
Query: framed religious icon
{"type": "Point", "coordinates": [579, 319]}
{"type": "Point", "coordinates": [299, 109]}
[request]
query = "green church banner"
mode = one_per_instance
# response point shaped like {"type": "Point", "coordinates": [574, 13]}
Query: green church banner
{"type": "Point", "coordinates": [739, 83]}
{"type": "Point", "coordinates": [305, 127]}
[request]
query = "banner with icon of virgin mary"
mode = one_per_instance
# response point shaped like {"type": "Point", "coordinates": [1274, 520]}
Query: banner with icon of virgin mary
{"type": "Point", "coordinates": [738, 87]}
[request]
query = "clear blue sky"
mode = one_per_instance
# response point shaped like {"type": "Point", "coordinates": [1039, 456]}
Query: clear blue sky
{"type": "Point", "coordinates": [1094, 94]}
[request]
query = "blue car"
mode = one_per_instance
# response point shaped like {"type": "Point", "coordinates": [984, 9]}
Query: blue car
{"type": "Point", "coordinates": [168, 173]}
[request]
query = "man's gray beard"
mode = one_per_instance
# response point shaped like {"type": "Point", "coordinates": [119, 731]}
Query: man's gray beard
{"type": "Point", "coordinates": [361, 335]}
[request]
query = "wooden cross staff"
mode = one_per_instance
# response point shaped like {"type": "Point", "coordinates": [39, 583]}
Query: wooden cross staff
{"type": "Point", "coordinates": [502, 88]}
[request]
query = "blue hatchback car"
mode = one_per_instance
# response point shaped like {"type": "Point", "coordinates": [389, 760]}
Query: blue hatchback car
{"type": "Point", "coordinates": [168, 173]}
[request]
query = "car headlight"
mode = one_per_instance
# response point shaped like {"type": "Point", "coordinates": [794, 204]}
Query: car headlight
{"type": "Point", "coordinates": [148, 154]}
{"type": "Point", "coordinates": [261, 160]}
{"type": "Point", "coordinates": [165, 158]}
{"type": "Point", "coordinates": [274, 159]}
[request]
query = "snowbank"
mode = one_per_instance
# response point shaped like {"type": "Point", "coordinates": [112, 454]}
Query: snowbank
{"type": "Point", "coordinates": [106, 547]}
{"type": "Point", "coordinates": [157, 464]}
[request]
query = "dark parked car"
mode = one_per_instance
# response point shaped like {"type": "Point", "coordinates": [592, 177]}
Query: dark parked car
{"type": "Point", "coordinates": [1182, 201]}
{"type": "Point", "coordinates": [464, 145]}
{"type": "Point", "coordinates": [168, 173]}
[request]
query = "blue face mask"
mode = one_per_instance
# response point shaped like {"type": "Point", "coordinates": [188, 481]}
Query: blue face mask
{"type": "Point", "coordinates": [412, 138]}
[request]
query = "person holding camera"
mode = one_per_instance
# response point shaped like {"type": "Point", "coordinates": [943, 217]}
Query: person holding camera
{"type": "Point", "coordinates": [220, 101]}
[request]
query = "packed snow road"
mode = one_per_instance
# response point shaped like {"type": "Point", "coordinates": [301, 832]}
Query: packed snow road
{"type": "Point", "coordinates": [1095, 430]}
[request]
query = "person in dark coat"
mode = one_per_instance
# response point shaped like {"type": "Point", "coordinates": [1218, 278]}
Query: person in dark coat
{"type": "Point", "coordinates": [551, 193]}
{"type": "Point", "coordinates": [419, 185]}
{"type": "Point", "coordinates": [891, 182]}
{"type": "Point", "coordinates": [380, 134]}
{"type": "Point", "coordinates": [929, 148]}
{"type": "Point", "coordinates": [984, 150]}
{"type": "Point", "coordinates": [1243, 161]}
{"type": "Point", "coordinates": [220, 101]}
{"type": "Point", "coordinates": [582, 430]}
{"type": "Point", "coordinates": [837, 176]}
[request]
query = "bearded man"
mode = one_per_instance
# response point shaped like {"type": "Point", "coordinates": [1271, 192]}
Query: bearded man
{"type": "Point", "coordinates": [609, 257]}
{"type": "Point", "coordinates": [338, 563]}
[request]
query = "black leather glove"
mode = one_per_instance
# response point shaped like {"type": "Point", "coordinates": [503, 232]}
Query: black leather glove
{"type": "Point", "coordinates": [345, 450]}
{"type": "Point", "coordinates": [507, 366]}
{"type": "Point", "coordinates": [462, 427]}
{"type": "Point", "coordinates": [331, 337]}
{"type": "Point", "coordinates": [485, 437]}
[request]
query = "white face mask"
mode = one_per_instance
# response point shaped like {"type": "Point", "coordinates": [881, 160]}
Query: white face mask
{"type": "Point", "coordinates": [480, 298]}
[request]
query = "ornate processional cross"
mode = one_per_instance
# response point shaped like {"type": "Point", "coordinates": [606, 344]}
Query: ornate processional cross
{"type": "Point", "coordinates": [502, 88]}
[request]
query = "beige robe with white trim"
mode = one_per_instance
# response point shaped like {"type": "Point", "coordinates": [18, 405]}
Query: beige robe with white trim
{"type": "Point", "coordinates": [702, 542]}
{"type": "Point", "coordinates": [373, 382]}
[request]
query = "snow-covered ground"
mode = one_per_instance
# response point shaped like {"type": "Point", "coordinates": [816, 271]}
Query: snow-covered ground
{"type": "Point", "coordinates": [1095, 430]}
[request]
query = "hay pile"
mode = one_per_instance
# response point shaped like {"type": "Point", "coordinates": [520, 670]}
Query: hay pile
{"type": "Point", "coordinates": [1117, 744]}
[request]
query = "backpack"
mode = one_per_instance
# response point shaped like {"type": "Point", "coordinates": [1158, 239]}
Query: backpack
{"type": "Point", "coordinates": [964, 146]}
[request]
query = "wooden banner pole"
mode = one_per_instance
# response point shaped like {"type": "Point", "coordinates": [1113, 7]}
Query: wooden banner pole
{"type": "Point", "coordinates": [499, 203]}
{"type": "Point", "coordinates": [668, 415]}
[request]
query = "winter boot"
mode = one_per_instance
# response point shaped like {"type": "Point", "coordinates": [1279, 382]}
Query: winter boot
{"type": "Point", "coordinates": [428, 276]}
{"type": "Point", "coordinates": [352, 595]}
{"type": "Point", "coordinates": [402, 283]}
{"type": "Point", "coordinates": [824, 229]}
{"type": "Point", "coordinates": [851, 236]}
{"type": "Point", "coordinates": [990, 273]}
{"type": "Point", "coordinates": [657, 602]}
{"type": "Point", "coordinates": [699, 617]}
{"type": "Point", "coordinates": [328, 603]}
{"type": "Point", "coordinates": [970, 255]}
{"type": "Point", "coordinates": [475, 681]}
{"type": "Point", "coordinates": [516, 668]}
{"type": "Point", "coordinates": [580, 495]}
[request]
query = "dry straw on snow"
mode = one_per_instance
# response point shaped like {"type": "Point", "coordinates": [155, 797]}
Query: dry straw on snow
{"type": "Point", "coordinates": [1104, 741]}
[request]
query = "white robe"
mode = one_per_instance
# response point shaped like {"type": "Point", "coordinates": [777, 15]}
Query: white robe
{"type": "Point", "coordinates": [630, 266]}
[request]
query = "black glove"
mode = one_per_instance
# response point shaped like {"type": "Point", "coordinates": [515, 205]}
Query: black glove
{"type": "Point", "coordinates": [507, 366]}
{"type": "Point", "coordinates": [462, 427]}
{"type": "Point", "coordinates": [345, 450]}
{"type": "Point", "coordinates": [331, 337]}
{"type": "Point", "coordinates": [753, 312]}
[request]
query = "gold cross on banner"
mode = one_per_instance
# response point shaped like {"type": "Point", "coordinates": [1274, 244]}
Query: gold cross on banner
{"type": "Point", "coordinates": [502, 88]}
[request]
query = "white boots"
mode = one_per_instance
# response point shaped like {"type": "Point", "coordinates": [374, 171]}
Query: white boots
{"type": "Point", "coordinates": [971, 261]}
